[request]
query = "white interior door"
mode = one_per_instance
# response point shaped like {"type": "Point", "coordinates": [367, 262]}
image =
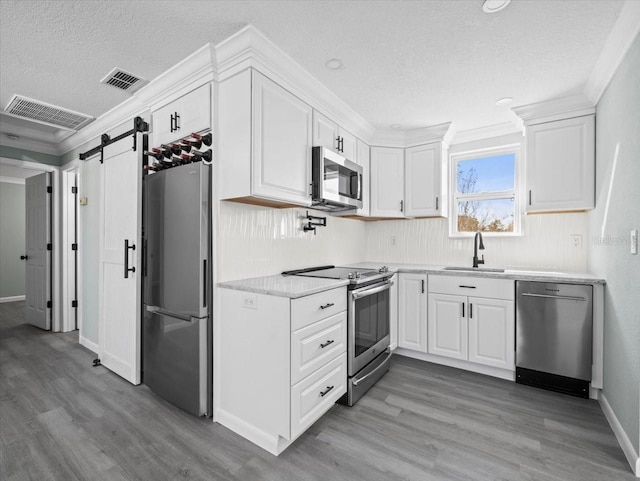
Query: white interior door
{"type": "Point", "coordinates": [38, 239]}
{"type": "Point", "coordinates": [120, 292]}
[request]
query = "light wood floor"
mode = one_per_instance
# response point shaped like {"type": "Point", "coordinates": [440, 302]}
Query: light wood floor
{"type": "Point", "coordinates": [62, 419]}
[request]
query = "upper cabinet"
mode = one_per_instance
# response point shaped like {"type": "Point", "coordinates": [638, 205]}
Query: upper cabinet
{"type": "Point", "coordinates": [425, 189]}
{"type": "Point", "coordinates": [363, 158]}
{"type": "Point", "coordinates": [178, 119]}
{"type": "Point", "coordinates": [264, 142]}
{"type": "Point", "coordinates": [560, 165]}
{"type": "Point", "coordinates": [387, 182]}
{"type": "Point", "coordinates": [327, 133]}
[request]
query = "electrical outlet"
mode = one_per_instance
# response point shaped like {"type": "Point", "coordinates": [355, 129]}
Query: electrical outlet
{"type": "Point", "coordinates": [634, 241]}
{"type": "Point", "coordinates": [250, 301]}
{"type": "Point", "coordinates": [394, 241]}
{"type": "Point", "coordinates": [576, 240]}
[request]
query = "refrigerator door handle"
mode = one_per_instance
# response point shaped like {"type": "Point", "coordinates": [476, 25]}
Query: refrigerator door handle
{"type": "Point", "coordinates": [164, 312]}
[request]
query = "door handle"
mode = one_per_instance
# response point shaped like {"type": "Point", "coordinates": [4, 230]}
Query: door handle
{"type": "Point", "coordinates": [436, 203]}
{"type": "Point", "coordinates": [402, 206]}
{"type": "Point", "coordinates": [24, 258]}
{"type": "Point", "coordinates": [422, 285]}
{"type": "Point", "coordinates": [128, 269]}
{"type": "Point", "coordinates": [463, 310]}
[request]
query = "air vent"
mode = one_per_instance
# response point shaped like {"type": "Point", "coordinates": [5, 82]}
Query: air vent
{"type": "Point", "coordinates": [47, 114]}
{"type": "Point", "coordinates": [122, 80]}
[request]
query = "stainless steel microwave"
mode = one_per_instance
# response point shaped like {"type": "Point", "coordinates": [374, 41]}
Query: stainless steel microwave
{"type": "Point", "coordinates": [336, 181]}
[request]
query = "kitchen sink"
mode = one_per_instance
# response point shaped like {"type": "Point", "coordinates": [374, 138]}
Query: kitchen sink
{"type": "Point", "coordinates": [472, 269]}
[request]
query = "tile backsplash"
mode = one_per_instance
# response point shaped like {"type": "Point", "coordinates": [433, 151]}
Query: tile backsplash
{"type": "Point", "coordinates": [256, 241]}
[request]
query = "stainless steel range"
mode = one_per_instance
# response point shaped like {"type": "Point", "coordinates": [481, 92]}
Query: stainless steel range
{"type": "Point", "coordinates": [368, 319]}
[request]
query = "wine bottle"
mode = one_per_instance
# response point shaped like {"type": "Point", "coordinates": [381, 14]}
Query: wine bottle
{"type": "Point", "coordinates": [206, 138]}
{"type": "Point", "coordinates": [206, 156]}
{"type": "Point", "coordinates": [196, 144]}
{"type": "Point", "coordinates": [173, 148]}
{"type": "Point", "coordinates": [186, 158]}
{"type": "Point", "coordinates": [186, 146]}
{"type": "Point", "coordinates": [155, 153]}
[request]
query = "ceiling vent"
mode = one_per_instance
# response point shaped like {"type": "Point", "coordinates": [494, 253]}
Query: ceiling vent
{"type": "Point", "coordinates": [47, 114]}
{"type": "Point", "coordinates": [122, 80]}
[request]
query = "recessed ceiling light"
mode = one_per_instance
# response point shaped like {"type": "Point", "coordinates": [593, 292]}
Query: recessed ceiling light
{"type": "Point", "coordinates": [493, 6]}
{"type": "Point", "coordinates": [334, 64]}
{"type": "Point", "coordinates": [504, 101]}
{"type": "Point", "coordinates": [13, 136]}
{"type": "Point", "coordinates": [395, 126]}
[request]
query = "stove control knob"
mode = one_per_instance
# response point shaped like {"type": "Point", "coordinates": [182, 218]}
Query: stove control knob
{"type": "Point", "coordinates": [383, 269]}
{"type": "Point", "coordinates": [358, 275]}
{"type": "Point", "coordinates": [351, 275]}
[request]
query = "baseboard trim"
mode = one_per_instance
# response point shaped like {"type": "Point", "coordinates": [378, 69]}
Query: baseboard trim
{"type": "Point", "coordinates": [624, 441]}
{"type": "Point", "coordinates": [11, 299]}
{"type": "Point", "coordinates": [92, 346]}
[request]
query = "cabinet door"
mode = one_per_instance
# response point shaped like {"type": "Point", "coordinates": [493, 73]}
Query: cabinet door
{"type": "Point", "coordinates": [423, 180]}
{"type": "Point", "coordinates": [448, 325]}
{"type": "Point", "coordinates": [412, 312]}
{"type": "Point", "coordinates": [491, 332]}
{"type": "Point", "coordinates": [325, 132]}
{"type": "Point", "coordinates": [387, 182]}
{"type": "Point", "coordinates": [363, 159]}
{"type": "Point", "coordinates": [281, 167]}
{"type": "Point", "coordinates": [178, 119]}
{"type": "Point", "coordinates": [561, 165]}
{"type": "Point", "coordinates": [348, 145]}
{"type": "Point", "coordinates": [393, 318]}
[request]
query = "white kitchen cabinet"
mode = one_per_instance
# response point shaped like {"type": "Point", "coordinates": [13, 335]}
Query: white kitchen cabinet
{"type": "Point", "coordinates": [327, 133]}
{"type": "Point", "coordinates": [279, 364]}
{"type": "Point", "coordinates": [264, 142]}
{"type": "Point", "coordinates": [472, 319]}
{"type": "Point", "coordinates": [560, 165]}
{"type": "Point", "coordinates": [393, 318]}
{"type": "Point", "coordinates": [387, 182]}
{"type": "Point", "coordinates": [447, 331]}
{"type": "Point", "coordinates": [178, 119]}
{"type": "Point", "coordinates": [363, 159]}
{"type": "Point", "coordinates": [412, 311]}
{"type": "Point", "coordinates": [425, 189]}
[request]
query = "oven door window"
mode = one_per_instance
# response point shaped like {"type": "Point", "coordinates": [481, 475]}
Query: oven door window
{"type": "Point", "coordinates": [339, 180]}
{"type": "Point", "coordinates": [371, 321]}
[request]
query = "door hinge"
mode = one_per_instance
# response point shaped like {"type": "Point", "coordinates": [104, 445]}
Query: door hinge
{"type": "Point", "coordinates": [49, 189]}
{"type": "Point", "coordinates": [74, 247]}
{"type": "Point", "coordinates": [49, 304]}
{"type": "Point", "coordinates": [74, 303]}
{"type": "Point", "coordinates": [74, 190]}
{"type": "Point", "coordinates": [49, 247]}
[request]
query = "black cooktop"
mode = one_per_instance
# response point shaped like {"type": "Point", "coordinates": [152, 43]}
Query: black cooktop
{"type": "Point", "coordinates": [356, 275]}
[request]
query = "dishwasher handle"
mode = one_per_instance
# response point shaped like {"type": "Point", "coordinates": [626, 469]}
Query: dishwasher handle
{"type": "Point", "coordinates": [549, 296]}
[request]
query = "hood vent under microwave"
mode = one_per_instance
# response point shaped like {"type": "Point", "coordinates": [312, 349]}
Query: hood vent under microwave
{"type": "Point", "coordinates": [122, 80]}
{"type": "Point", "coordinates": [47, 114]}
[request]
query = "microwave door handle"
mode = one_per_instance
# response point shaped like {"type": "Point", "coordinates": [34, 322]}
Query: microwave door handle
{"type": "Point", "coordinates": [359, 294]}
{"type": "Point", "coordinates": [359, 186]}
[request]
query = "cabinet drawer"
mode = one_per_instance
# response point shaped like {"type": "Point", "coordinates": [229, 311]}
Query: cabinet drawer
{"type": "Point", "coordinates": [313, 346]}
{"type": "Point", "coordinates": [310, 309]}
{"type": "Point", "coordinates": [314, 395]}
{"type": "Point", "coordinates": [473, 286]}
{"type": "Point", "coordinates": [193, 112]}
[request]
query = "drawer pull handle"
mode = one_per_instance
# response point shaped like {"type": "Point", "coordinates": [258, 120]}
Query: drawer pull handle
{"type": "Point", "coordinates": [327, 305]}
{"type": "Point", "coordinates": [468, 287]}
{"type": "Point", "coordinates": [328, 343]}
{"type": "Point", "coordinates": [326, 391]}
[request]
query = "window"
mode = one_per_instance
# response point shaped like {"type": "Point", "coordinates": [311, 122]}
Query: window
{"type": "Point", "coordinates": [485, 192]}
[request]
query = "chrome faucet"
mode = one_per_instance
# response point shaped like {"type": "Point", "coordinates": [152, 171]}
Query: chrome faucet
{"type": "Point", "coordinates": [477, 261]}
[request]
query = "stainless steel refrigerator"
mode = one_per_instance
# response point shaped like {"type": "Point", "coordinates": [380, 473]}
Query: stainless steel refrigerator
{"type": "Point", "coordinates": [176, 327]}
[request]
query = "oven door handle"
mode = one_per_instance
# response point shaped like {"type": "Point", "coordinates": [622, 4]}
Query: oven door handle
{"type": "Point", "coordinates": [364, 378]}
{"type": "Point", "coordinates": [359, 294]}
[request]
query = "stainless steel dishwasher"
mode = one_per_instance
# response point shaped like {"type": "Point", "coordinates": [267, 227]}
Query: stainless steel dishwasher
{"type": "Point", "coordinates": [554, 336]}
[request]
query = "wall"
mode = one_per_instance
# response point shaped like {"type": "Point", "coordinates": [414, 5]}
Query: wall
{"type": "Point", "coordinates": [617, 212]}
{"type": "Point", "coordinates": [29, 155]}
{"type": "Point", "coordinates": [12, 239]}
{"type": "Point", "coordinates": [256, 241]}
{"type": "Point", "coordinates": [545, 243]}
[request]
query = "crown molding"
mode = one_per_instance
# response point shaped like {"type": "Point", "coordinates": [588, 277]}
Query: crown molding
{"type": "Point", "coordinates": [624, 33]}
{"type": "Point", "coordinates": [12, 180]}
{"type": "Point", "coordinates": [195, 70]}
{"type": "Point", "coordinates": [410, 138]}
{"type": "Point", "coordinates": [250, 48]}
{"type": "Point", "coordinates": [555, 109]}
{"type": "Point", "coordinates": [487, 132]}
{"type": "Point", "coordinates": [32, 145]}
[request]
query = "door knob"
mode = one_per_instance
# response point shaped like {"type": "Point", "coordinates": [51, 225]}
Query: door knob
{"type": "Point", "coordinates": [24, 258]}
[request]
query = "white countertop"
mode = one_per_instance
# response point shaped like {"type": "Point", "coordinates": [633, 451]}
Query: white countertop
{"type": "Point", "coordinates": [296, 286]}
{"type": "Point", "coordinates": [284, 286]}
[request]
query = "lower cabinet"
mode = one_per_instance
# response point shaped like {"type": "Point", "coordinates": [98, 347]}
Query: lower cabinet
{"type": "Point", "coordinates": [412, 311]}
{"type": "Point", "coordinates": [279, 363]}
{"type": "Point", "coordinates": [472, 328]}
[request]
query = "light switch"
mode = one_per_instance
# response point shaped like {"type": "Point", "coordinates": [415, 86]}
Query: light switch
{"type": "Point", "coordinates": [84, 201]}
{"type": "Point", "coordinates": [634, 241]}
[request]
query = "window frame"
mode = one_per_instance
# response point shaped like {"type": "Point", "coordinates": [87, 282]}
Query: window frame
{"type": "Point", "coordinates": [516, 193]}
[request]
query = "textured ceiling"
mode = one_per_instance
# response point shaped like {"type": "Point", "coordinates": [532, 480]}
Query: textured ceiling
{"type": "Point", "coordinates": [413, 63]}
